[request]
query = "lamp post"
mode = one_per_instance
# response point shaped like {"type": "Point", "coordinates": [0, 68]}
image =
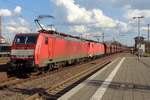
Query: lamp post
{"type": "Point", "coordinates": [139, 41]}
{"type": "Point", "coordinates": [148, 32]}
{"type": "Point", "coordinates": [138, 19]}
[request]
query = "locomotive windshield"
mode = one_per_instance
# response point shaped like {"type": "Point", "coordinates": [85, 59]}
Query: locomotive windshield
{"type": "Point", "coordinates": [25, 39]}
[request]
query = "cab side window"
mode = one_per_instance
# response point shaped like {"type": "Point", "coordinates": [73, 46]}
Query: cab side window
{"type": "Point", "coordinates": [46, 40]}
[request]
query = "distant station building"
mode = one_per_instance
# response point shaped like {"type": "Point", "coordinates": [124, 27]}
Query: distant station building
{"type": "Point", "coordinates": [144, 44]}
{"type": "Point", "coordinates": [138, 40]}
{"type": "Point", "coordinates": [147, 46]}
{"type": "Point", "coordinates": [139, 44]}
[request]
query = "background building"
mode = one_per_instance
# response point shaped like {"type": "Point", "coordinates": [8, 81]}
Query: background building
{"type": "Point", "coordinates": [138, 40]}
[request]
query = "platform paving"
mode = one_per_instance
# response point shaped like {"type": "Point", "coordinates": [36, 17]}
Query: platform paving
{"type": "Point", "coordinates": [126, 78]}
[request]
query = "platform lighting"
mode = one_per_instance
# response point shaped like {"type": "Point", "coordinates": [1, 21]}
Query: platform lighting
{"type": "Point", "coordinates": [138, 19]}
{"type": "Point", "coordinates": [148, 31]}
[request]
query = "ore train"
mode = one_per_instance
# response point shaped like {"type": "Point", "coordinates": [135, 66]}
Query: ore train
{"type": "Point", "coordinates": [49, 49]}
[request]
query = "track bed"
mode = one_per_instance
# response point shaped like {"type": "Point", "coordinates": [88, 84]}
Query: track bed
{"type": "Point", "coordinates": [24, 88]}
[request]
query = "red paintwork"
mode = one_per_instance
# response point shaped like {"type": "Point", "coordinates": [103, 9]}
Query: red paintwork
{"type": "Point", "coordinates": [61, 46]}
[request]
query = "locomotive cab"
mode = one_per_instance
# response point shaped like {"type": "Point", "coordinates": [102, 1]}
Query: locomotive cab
{"type": "Point", "coordinates": [22, 50]}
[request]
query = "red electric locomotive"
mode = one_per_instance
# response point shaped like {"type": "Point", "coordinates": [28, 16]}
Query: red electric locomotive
{"type": "Point", "coordinates": [47, 49]}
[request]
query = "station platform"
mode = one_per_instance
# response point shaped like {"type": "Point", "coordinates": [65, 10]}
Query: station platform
{"type": "Point", "coordinates": [125, 78]}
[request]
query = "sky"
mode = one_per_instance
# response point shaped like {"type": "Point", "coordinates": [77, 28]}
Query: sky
{"type": "Point", "coordinates": [85, 18]}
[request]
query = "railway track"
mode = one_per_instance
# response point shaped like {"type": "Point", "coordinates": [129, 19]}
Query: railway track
{"type": "Point", "coordinates": [14, 80]}
{"type": "Point", "coordinates": [53, 90]}
{"type": "Point", "coordinates": [61, 78]}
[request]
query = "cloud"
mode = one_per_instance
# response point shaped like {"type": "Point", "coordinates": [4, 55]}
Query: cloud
{"type": "Point", "coordinates": [18, 26]}
{"type": "Point", "coordinates": [15, 24]}
{"type": "Point", "coordinates": [91, 34]}
{"type": "Point", "coordinates": [17, 10]}
{"type": "Point", "coordinates": [84, 21]}
{"type": "Point", "coordinates": [22, 21]}
{"type": "Point", "coordinates": [78, 29]}
{"type": "Point", "coordinates": [89, 14]}
{"type": "Point", "coordinates": [122, 26]}
{"type": "Point", "coordinates": [67, 10]}
{"type": "Point", "coordinates": [129, 13]}
{"type": "Point", "coordinates": [5, 12]}
{"type": "Point", "coordinates": [19, 29]}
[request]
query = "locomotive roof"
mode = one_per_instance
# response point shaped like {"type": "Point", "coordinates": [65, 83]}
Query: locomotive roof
{"type": "Point", "coordinates": [68, 35]}
{"type": "Point", "coordinates": [27, 34]}
{"type": "Point", "coordinates": [77, 38]}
